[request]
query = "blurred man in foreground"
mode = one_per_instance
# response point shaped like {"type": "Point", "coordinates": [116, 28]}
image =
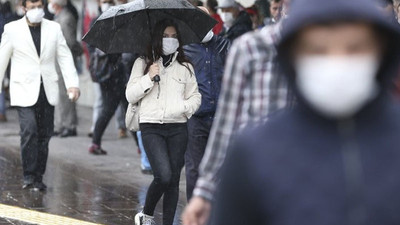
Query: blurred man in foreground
{"type": "Point", "coordinates": [252, 90]}
{"type": "Point", "coordinates": [334, 158]}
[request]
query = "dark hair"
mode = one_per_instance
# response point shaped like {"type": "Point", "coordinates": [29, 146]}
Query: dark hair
{"type": "Point", "coordinates": [156, 47]}
{"type": "Point", "coordinates": [24, 2]}
{"type": "Point", "coordinates": [212, 4]}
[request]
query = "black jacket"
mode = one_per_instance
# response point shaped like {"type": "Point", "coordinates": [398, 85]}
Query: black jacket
{"type": "Point", "coordinates": [304, 169]}
{"type": "Point", "coordinates": [241, 25]}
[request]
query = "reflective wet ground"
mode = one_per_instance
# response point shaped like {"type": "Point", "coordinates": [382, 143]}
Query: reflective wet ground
{"type": "Point", "coordinates": [100, 189]}
{"type": "Point", "coordinates": [73, 192]}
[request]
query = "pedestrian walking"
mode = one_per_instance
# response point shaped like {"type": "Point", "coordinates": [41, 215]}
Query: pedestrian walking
{"type": "Point", "coordinates": [166, 103]}
{"type": "Point", "coordinates": [332, 159]}
{"type": "Point", "coordinates": [252, 90]}
{"type": "Point", "coordinates": [66, 118]}
{"type": "Point", "coordinates": [109, 71]}
{"type": "Point", "coordinates": [208, 60]}
{"type": "Point", "coordinates": [236, 21]}
{"type": "Point", "coordinates": [35, 45]}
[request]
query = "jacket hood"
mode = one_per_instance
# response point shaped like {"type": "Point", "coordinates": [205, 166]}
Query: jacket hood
{"type": "Point", "coordinates": [304, 13]}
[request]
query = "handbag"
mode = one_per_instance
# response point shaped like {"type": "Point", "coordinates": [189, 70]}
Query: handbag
{"type": "Point", "coordinates": [132, 117]}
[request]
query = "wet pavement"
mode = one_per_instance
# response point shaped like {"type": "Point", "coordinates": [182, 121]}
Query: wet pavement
{"type": "Point", "coordinates": [99, 189]}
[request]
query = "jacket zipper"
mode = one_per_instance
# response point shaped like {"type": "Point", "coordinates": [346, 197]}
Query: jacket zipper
{"type": "Point", "coordinates": [353, 172]}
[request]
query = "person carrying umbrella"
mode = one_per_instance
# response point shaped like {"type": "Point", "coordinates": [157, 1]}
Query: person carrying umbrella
{"type": "Point", "coordinates": [165, 106]}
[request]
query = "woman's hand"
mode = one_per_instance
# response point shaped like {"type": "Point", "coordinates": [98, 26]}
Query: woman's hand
{"type": "Point", "coordinates": [154, 70]}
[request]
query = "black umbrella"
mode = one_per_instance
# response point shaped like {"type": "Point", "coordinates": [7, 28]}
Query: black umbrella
{"type": "Point", "coordinates": [127, 27]}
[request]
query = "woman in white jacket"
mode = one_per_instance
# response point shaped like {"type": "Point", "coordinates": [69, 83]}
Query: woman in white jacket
{"type": "Point", "coordinates": [166, 103]}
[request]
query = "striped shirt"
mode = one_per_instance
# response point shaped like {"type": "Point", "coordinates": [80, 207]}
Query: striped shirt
{"type": "Point", "coordinates": [251, 90]}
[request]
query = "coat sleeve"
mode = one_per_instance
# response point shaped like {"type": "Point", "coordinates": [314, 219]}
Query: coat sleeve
{"type": "Point", "coordinates": [138, 85]}
{"type": "Point", "coordinates": [65, 61]}
{"type": "Point", "coordinates": [192, 95]}
{"type": "Point", "coordinates": [6, 50]}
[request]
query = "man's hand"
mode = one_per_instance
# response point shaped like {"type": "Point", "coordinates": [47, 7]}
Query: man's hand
{"type": "Point", "coordinates": [197, 212]}
{"type": "Point", "coordinates": [73, 93]}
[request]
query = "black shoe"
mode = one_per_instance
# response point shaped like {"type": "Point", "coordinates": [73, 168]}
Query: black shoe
{"type": "Point", "coordinates": [28, 182]}
{"type": "Point", "coordinates": [27, 186]}
{"type": "Point", "coordinates": [39, 186]}
{"type": "Point", "coordinates": [68, 133]}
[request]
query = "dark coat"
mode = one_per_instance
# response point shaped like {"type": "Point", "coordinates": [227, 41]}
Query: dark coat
{"type": "Point", "coordinates": [241, 26]}
{"type": "Point", "coordinates": [208, 60]}
{"type": "Point", "coordinates": [303, 169]}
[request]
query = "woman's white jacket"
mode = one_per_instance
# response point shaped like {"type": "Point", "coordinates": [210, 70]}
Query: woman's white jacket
{"type": "Point", "coordinates": [175, 101]}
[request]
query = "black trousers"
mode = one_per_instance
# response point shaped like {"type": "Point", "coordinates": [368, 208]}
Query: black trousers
{"type": "Point", "coordinates": [165, 146]}
{"type": "Point", "coordinates": [37, 125]}
{"type": "Point", "coordinates": [113, 93]}
{"type": "Point", "coordinates": [199, 130]}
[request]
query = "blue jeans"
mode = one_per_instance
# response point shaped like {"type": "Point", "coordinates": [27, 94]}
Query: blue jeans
{"type": "Point", "coordinates": [143, 157]}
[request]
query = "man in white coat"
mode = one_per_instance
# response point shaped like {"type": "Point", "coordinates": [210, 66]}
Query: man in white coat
{"type": "Point", "coordinates": [34, 46]}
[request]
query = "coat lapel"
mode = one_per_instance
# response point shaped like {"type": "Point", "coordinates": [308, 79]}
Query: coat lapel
{"type": "Point", "coordinates": [43, 36]}
{"type": "Point", "coordinates": [29, 39]}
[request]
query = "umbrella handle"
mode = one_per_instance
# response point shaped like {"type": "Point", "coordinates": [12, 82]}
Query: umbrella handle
{"type": "Point", "coordinates": [116, 14]}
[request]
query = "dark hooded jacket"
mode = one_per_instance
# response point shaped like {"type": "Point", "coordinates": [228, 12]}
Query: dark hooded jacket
{"type": "Point", "coordinates": [304, 169]}
{"type": "Point", "coordinates": [241, 26]}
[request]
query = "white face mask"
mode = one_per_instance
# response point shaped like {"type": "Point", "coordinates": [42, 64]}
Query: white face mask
{"type": "Point", "coordinates": [50, 7]}
{"type": "Point", "coordinates": [208, 37]}
{"type": "Point", "coordinates": [227, 18]}
{"type": "Point", "coordinates": [170, 45]}
{"type": "Point", "coordinates": [35, 15]}
{"type": "Point", "coordinates": [105, 7]}
{"type": "Point", "coordinates": [337, 87]}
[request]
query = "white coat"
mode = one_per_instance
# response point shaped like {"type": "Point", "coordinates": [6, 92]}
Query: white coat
{"type": "Point", "coordinates": [27, 67]}
{"type": "Point", "coordinates": [179, 97]}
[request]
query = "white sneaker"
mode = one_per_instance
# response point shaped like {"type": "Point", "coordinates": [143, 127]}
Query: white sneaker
{"type": "Point", "coordinates": [143, 219]}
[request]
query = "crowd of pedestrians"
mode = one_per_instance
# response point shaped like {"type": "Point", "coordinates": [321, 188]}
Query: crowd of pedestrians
{"type": "Point", "coordinates": [298, 101]}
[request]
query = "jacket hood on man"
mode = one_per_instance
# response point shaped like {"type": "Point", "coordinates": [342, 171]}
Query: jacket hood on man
{"type": "Point", "coordinates": [304, 13]}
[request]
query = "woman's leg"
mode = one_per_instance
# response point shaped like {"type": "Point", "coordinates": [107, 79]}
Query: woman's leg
{"type": "Point", "coordinates": [177, 143]}
{"type": "Point", "coordinates": [156, 149]}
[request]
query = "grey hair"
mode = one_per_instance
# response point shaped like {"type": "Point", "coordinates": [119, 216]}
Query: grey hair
{"type": "Point", "coordinates": [59, 2]}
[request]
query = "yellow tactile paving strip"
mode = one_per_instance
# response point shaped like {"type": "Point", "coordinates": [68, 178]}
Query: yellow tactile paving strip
{"type": "Point", "coordinates": [39, 218]}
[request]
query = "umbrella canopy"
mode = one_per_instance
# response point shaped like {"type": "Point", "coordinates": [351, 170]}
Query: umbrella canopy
{"type": "Point", "coordinates": [126, 28]}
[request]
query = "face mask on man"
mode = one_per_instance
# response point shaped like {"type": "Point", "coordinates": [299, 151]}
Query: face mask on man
{"type": "Point", "coordinates": [208, 37]}
{"type": "Point", "coordinates": [170, 45]}
{"type": "Point", "coordinates": [35, 15]}
{"type": "Point", "coordinates": [50, 7]}
{"type": "Point", "coordinates": [227, 18]}
{"type": "Point", "coordinates": [105, 7]}
{"type": "Point", "coordinates": [337, 87]}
